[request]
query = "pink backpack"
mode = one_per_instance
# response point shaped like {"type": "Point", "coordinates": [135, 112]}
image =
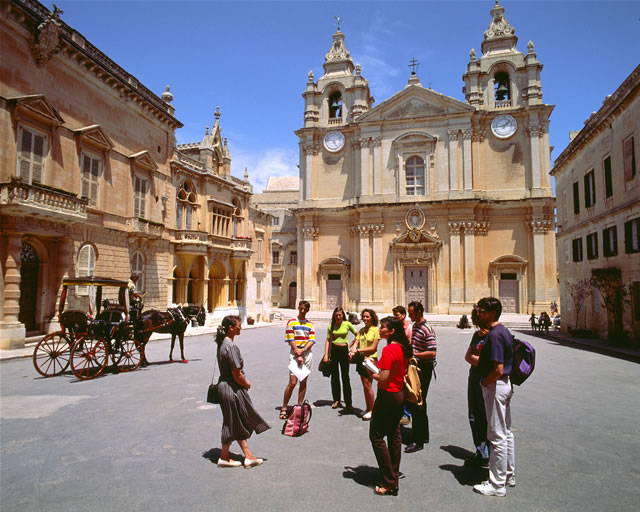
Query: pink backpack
{"type": "Point", "coordinates": [298, 421]}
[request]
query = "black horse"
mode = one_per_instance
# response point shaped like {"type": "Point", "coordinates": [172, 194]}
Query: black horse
{"type": "Point", "coordinates": [174, 321]}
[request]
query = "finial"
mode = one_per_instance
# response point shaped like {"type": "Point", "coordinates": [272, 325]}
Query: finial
{"type": "Point", "coordinates": [310, 76]}
{"type": "Point", "coordinates": [166, 96]}
{"type": "Point", "coordinates": [57, 12]}
{"type": "Point", "coordinates": [225, 141]}
{"type": "Point", "coordinates": [206, 131]}
{"type": "Point", "coordinates": [338, 21]}
{"type": "Point", "coordinates": [530, 46]}
{"type": "Point", "coordinates": [217, 113]}
{"type": "Point", "coordinates": [472, 55]}
{"type": "Point", "coordinates": [246, 174]}
{"type": "Point", "coordinates": [358, 69]}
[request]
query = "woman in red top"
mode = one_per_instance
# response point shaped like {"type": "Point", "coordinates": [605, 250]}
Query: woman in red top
{"type": "Point", "coordinates": [388, 407]}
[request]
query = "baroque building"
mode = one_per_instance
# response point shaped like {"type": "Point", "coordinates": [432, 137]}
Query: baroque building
{"type": "Point", "coordinates": [426, 197]}
{"type": "Point", "coordinates": [92, 183]}
{"type": "Point", "coordinates": [598, 189]}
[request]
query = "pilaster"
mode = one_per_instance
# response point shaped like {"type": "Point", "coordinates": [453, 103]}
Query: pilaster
{"type": "Point", "coordinates": [365, 268]}
{"type": "Point", "coordinates": [309, 290]}
{"type": "Point", "coordinates": [377, 231]}
{"type": "Point", "coordinates": [12, 331]}
{"type": "Point", "coordinates": [455, 268]}
{"type": "Point", "coordinates": [453, 160]}
{"type": "Point", "coordinates": [467, 159]}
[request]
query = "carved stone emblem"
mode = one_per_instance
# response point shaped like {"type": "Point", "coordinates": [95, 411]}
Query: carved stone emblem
{"type": "Point", "coordinates": [414, 219]}
{"type": "Point", "coordinates": [46, 40]}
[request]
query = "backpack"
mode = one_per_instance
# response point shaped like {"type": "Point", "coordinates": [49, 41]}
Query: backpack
{"type": "Point", "coordinates": [298, 421]}
{"type": "Point", "coordinates": [412, 382]}
{"type": "Point", "coordinates": [524, 361]}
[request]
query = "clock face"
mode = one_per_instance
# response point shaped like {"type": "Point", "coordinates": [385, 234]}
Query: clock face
{"type": "Point", "coordinates": [504, 127]}
{"type": "Point", "coordinates": [334, 141]}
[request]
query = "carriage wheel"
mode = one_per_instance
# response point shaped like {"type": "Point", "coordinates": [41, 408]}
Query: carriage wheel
{"type": "Point", "coordinates": [52, 353]}
{"type": "Point", "coordinates": [89, 357]}
{"type": "Point", "coordinates": [128, 356]}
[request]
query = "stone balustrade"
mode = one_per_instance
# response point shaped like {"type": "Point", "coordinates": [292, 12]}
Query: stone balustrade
{"type": "Point", "coordinates": [32, 199]}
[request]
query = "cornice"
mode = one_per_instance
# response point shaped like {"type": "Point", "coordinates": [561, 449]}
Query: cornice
{"type": "Point", "coordinates": [76, 47]}
{"type": "Point", "coordinates": [594, 123]}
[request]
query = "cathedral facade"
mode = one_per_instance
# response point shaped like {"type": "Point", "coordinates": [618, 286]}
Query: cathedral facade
{"type": "Point", "coordinates": [423, 196]}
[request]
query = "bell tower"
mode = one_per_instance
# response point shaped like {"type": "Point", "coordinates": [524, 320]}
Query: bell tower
{"type": "Point", "coordinates": [331, 105]}
{"type": "Point", "coordinates": [504, 86]}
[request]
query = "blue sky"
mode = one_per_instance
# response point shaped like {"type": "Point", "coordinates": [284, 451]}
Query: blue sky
{"type": "Point", "coordinates": [252, 57]}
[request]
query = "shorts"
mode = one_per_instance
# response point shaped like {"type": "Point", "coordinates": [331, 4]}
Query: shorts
{"type": "Point", "coordinates": [308, 358]}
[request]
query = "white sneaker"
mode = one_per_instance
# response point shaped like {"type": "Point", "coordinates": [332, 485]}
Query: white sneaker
{"type": "Point", "coordinates": [249, 463]}
{"type": "Point", "coordinates": [511, 481]}
{"type": "Point", "coordinates": [229, 463]}
{"type": "Point", "coordinates": [487, 489]}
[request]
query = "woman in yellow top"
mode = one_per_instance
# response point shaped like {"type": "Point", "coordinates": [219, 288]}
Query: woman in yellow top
{"type": "Point", "coordinates": [336, 351]}
{"type": "Point", "coordinates": [366, 344]}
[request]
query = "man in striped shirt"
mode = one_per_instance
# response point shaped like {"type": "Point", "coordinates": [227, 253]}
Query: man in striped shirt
{"type": "Point", "coordinates": [423, 341]}
{"type": "Point", "coordinates": [300, 336]}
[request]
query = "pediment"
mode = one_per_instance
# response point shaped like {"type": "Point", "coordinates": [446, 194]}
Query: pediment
{"type": "Point", "coordinates": [144, 160]}
{"type": "Point", "coordinates": [36, 107]}
{"type": "Point", "coordinates": [418, 238]}
{"type": "Point", "coordinates": [95, 136]}
{"type": "Point", "coordinates": [415, 102]}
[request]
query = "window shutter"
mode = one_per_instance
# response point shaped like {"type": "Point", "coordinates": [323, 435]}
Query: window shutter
{"type": "Point", "coordinates": [628, 237]}
{"type": "Point", "coordinates": [25, 153]}
{"type": "Point", "coordinates": [38, 158]}
{"type": "Point", "coordinates": [628, 158]}
{"type": "Point", "coordinates": [86, 163]}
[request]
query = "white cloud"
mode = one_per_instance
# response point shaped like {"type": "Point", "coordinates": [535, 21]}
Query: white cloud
{"type": "Point", "coordinates": [263, 163]}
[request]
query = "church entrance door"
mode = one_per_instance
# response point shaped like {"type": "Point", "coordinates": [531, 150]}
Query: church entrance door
{"type": "Point", "coordinates": [415, 285]}
{"type": "Point", "coordinates": [292, 295]}
{"type": "Point", "coordinates": [508, 293]}
{"type": "Point", "coordinates": [334, 291]}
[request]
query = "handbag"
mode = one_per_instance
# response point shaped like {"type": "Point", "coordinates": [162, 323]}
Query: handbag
{"type": "Point", "coordinates": [325, 368]}
{"type": "Point", "coordinates": [213, 397]}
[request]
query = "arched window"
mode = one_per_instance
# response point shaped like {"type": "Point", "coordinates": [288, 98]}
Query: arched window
{"type": "Point", "coordinates": [137, 269]}
{"type": "Point", "coordinates": [187, 202]}
{"type": "Point", "coordinates": [414, 172]}
{"type": "Point", "coordinates": [502, 89]}
{"type": "Point", "coordinates": [86, 266]}
{"type": "Point", "coordinates": [335, 105]}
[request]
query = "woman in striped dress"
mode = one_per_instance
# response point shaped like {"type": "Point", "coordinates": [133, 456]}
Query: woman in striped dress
{"type": "Point", "coordinates": [239, 418]}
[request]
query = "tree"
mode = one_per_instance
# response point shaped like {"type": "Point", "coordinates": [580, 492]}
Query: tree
{"type": "Point", "coordinates": [614, 296]}
{"type": "Point", "coordinates": [579, 291]}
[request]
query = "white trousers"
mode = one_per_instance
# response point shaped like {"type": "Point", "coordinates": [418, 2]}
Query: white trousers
{"type": "Point", "coordinates": [497, 404]}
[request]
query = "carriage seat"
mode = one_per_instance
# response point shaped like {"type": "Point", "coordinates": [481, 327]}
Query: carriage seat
{"type": "Point", "coordinates": [75, 321]}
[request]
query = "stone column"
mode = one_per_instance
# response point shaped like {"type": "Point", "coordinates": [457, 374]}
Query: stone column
{"type": "Point", "coordinates": [365, 162]}
{"type": "Point", "coordinates": [376, 171]}
{"type": "Point", "coordinates": [306, 187]}
{"type": "Point", "coordinates": [469, 261]}
{"type": "Point", "coordinates": [378, 271]}
{"type": "Point", "coordinates": [365, 271]}
{"type": "Point", "coordinates": [453, 160]}
{"type": "Point", "coordinates": [456, 280]}
{"type": "Point", "coordinates": [538, 229]}
{"type": "Point", "coordinates": [467, 162]}
{"type": "Point", "coordinates": [309, 289]}
{"type": "Point", "coordinates": [12, 331]}
{"type": "Point", "coordinates": [357, 166]}
{"type": "Point", "coordinates": [534, 135]}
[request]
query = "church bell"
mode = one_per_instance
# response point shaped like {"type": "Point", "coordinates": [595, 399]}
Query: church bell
{"type": "Point", "coordinates": [501, 91]}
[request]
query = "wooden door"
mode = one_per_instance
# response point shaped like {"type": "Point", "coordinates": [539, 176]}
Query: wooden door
{"type": "Point", "coordinates": [334, 292]}
{"type": "Point", "coordinates": [415, 285]}
{"type": "Point", "coordinates": [509, 296]}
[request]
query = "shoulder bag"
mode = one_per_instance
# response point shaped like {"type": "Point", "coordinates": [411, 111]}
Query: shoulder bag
{"type": "Point", "coordinates": [212, 393]}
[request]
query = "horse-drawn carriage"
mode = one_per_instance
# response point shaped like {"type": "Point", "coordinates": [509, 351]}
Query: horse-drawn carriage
{"type": "Point", "coordinates": [110, 330]}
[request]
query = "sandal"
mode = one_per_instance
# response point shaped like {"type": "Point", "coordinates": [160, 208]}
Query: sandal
{"type": "Point", "coordinates": [335, 405]}
{"type": "Point", "coordinates": [384, 491]}
{"type": "Point", "coordinates": [283, 413]}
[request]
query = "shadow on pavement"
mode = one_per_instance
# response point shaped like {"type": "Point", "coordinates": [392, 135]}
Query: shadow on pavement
{"type": "Point", "coordinates": [322, 403]}
{"type": "Point", "coordinates": [367, 476]}
{"type": "Point", "coordinates": [465, 474]}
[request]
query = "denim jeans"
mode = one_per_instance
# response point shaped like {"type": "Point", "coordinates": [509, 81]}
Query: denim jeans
{"type": "Point", "coordinates": [477, 415]}
{"type": "Point", "coordinates": [497, 403]}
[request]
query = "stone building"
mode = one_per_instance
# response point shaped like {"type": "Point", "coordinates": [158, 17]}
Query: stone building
{"type": "Point", "coordinates": [279, 198]}
{"type": "Point", "coordinates": [426, 197]}
{"type": "Point", "coordinates": [598, 190]}
{"type": "Point", "coordinates": [91, 182]}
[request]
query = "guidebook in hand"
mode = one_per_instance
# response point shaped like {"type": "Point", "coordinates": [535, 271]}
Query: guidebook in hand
{"type": "Point", "coordinates": [300, 371]}
{"type": "Point", "coordinates": [371, 366]}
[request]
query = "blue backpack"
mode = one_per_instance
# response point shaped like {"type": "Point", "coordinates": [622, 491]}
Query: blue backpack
{"type": "Point", "coordinates": [524, 361]}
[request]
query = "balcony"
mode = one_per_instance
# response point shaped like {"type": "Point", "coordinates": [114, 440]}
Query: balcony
{"type": "Point", "coordinates": [36, 200]}
{"type": "Point", "coordinates": [335, 121]}
{"type": "Point", "coordinates": [142, 228]}
{"type": "Point", "coordinates": [190, 241]}
{"type": "Point", "coordinates": [241, 247]}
